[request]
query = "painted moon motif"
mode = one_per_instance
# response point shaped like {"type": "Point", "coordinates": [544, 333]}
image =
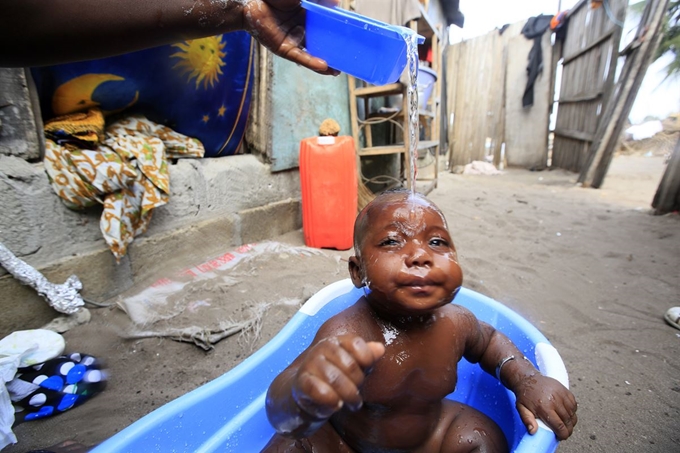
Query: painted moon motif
{"type": "Point", "coordinates": [76, 94]}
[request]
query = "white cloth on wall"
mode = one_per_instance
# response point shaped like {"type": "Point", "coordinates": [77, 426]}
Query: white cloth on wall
{"type": "Point", "coordinates": [395, 12]}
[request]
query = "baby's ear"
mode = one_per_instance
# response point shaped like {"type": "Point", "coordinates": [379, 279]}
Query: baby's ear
{"type": "Point", "coordinates": [355, 271]}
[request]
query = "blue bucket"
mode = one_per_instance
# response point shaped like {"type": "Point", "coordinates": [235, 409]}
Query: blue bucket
{"type": "Point", "coordinates": [228, 413]}
{"type": "Point", "coordinates": [368, 49]}
{"type": "Point", "coordinates": [426, 80]}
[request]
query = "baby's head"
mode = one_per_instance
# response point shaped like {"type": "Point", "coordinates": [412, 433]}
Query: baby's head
{"type": "Point", "coordinates": [402, 201]}
{"type": "Point", "coordinates": [404, 253]}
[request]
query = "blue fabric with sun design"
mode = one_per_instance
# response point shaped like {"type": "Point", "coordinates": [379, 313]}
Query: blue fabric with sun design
{"type": "Point", "coordinates": [200, 88]}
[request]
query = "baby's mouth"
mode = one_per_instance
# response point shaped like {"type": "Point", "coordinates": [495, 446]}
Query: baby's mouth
{"type": "Point", "coordinates": [418, 283]}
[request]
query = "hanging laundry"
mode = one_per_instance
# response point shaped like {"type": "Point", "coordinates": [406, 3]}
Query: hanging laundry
{"type": "Point", "coordinates": [127, 171]}
{"type": "Point", "coordinates": [534, 29]}
{"type": "Point", "coordinates": [559, 20]}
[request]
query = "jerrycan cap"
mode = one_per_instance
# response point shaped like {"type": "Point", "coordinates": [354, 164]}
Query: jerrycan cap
{"type": "Point", "coordinates": [368, 49]}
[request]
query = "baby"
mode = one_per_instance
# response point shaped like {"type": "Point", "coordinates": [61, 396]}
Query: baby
{"type": "Point", "coordinates": [376, 375]}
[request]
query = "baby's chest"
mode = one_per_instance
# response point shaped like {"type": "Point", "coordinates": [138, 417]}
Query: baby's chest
{"type": "Point", "coordinates": [413, 370]}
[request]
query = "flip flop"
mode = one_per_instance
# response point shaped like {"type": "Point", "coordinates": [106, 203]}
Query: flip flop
{"type": "Point", "coordinates": [62, 383]}
{"type": "Point", "coordinates": [672, 317]}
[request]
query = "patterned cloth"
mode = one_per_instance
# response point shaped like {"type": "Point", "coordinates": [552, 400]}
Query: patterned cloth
{"type": "Point", "coordinates": [127, 172]}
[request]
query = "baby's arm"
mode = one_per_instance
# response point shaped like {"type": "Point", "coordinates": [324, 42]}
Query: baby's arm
{"type": "Point", "coordinates": [538, 396]}
{"type": "Point", "coordinates": [323, 379]}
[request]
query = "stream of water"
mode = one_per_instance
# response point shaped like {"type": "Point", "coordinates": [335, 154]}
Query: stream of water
{"type": "Point", "coordinates": [412, 100]}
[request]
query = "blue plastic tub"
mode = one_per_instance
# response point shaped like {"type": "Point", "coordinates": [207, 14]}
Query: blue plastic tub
{"type": "Point", "coordinates": [228, 415]}
{"type": "Point", "coordinates": [366, 48]}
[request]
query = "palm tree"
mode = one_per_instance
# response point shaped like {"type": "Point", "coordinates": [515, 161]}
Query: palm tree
{"type": "Point", "coordinates": [670, 42]}
{"type": "Point", "coordinates": [671, 38]}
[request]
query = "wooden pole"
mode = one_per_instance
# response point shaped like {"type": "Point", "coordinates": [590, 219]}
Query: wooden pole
{"type": "Point", "coordinates": [667, 197]}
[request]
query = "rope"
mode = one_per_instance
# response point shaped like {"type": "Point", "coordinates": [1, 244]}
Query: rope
{"type": "Point", "coordinates": [610, 14]}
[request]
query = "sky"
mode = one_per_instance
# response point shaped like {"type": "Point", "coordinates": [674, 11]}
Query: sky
{"type": "Point", "coordinates": [656, 97]}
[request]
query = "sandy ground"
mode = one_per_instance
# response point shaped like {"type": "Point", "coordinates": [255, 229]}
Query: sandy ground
{"type": "Point", "coordinates": [592, 269]}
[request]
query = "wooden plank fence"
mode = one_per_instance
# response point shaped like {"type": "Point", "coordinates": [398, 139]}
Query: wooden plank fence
{"type": "Point", "coordinates": [639, 54]}
{"type": "Point", "coordinates": [486, 78]}
{"type": "Point", "coordinates": [476, 90]}
{"type": "Point", "coordinates": [590, 52]}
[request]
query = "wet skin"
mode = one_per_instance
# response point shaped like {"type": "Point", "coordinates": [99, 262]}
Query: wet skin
{"type": "Point", "coordinates": [379, 371]}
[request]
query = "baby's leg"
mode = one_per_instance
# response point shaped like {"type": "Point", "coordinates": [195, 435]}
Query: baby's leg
{"type": "Point", "coordinates": [462, 428]}
{"type": "Point", "coordinates": [325, 440]}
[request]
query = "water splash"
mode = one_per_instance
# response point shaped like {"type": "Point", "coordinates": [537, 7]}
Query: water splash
{"type": "Point", "coordinates": [389, 332]}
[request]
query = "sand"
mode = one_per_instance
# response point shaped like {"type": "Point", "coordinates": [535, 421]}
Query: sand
{"type": "Point", "coordinates": [592, 269]}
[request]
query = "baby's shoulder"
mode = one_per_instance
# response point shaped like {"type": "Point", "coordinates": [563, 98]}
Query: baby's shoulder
{"type": "Point", "coordinates": [352, 320]}
{"type": "Point", "coordinates": [460, 316]}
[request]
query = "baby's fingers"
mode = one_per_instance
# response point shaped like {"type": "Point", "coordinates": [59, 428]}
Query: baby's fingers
{"type": "Point", "coordinates": [562, 428]}
{"type": "Point", "coordinates": [365, 354]}
{"type": "Point", "coordinates": [528, 418]}
{"type": "Point", "coordinates": [564, 422]}
{"type": "Point", "coordinates": [557, 420]}
{"type": "Point", "coordinates": [316, 397]}
{"type": "Point", "coordinates": [326, 390]}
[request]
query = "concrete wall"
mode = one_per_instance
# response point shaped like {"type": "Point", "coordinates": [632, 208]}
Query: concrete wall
{"type": "Point", "coordinates": [18, 125]}
{"type": "Point", "coordinates": [236, 199]}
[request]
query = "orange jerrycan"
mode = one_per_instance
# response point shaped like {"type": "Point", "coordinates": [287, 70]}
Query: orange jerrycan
{"type": "Point", "coordinates": [328, 176]}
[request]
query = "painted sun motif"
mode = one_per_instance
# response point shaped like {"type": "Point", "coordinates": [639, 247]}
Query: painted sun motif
{"type": "Point", "coordinates": [201, 59]}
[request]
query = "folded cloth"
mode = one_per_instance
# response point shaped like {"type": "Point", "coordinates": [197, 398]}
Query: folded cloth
{"type": "Point", "coordinates": [31, 347]}
{"type": "Point", "coordinates": [77, 130]}
{"type": "Point", "coordinates": [127, 173]}
{"type": "Point", "coordinates": [59, 384]}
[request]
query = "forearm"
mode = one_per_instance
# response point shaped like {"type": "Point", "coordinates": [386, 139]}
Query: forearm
{"type": "Point", "coordinates": [40, 32]}
{"type": "Point", "coordinates": [538, 396]}
{"type": "Point", "coordinates": [284, 413]}
{"type": "Point", "coordinates": [505, 361]}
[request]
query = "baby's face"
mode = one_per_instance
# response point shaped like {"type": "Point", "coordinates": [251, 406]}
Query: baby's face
{"type": "Point", "coordinates": [407, 258]}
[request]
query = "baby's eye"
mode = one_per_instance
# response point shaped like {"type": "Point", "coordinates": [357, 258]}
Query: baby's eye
{"type": "Point", "coordinates": [388, 242]}
{"type": "Point", "coordinates": [439, 242]}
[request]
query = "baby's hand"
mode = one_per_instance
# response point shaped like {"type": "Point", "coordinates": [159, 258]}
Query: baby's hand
{"type": "Point", "coordinates": [545, 398]}
{"type": "Point", "coordinates": [331, 373]}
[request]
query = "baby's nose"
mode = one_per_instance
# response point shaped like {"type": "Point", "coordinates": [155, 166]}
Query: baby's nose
{"type": "Point", "coordinates": [418, 256]}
